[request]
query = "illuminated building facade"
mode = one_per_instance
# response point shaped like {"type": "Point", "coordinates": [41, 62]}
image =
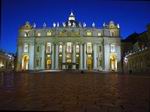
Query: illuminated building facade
{"type": "Point", "coordinates": [136, 52]}
{"type": "Point", "coordinates": [6, 61]}
{"type": "Point", "coordinates": [70, 45]}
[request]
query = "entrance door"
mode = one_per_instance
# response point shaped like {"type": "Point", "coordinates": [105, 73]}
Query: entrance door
{"type": "Point", "coordinates": [113, 62]}
{"type": "Point", "coordinates": [48, 64]}
{"type": "Point", "coordinates": [89, 62]}
{"type": "Point", "coordinates": [69, 65]}
{"type": "Point", "coordinates": [25, 62]}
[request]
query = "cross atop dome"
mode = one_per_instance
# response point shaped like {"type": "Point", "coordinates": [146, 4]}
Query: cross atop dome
{"type": "Point", "coordinates": [71, 14]}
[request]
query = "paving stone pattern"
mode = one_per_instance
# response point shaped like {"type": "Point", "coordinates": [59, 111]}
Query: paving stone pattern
{"type": "Point", "coordinates": [74, 92]}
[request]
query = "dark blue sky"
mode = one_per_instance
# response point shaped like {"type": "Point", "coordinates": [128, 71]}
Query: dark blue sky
{"type": "Point", "coordinates": [133, 16]}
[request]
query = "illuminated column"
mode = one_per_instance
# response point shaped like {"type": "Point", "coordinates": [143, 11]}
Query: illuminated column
{"type": "Point", "coordinates": [95, 56]}
{"type": "Point", "coordinates": [43, 56]}
{"type": "Point", "coordinates": [53, 56]}
{"type": "Point", "coordinates": [81, 56]}
{"type": "Point", "coordinates": [74, 56]}
{"type": "Point", "coordinates": [118, 51]}
{"type": "Point", "coordinates": [106, 57]}
{"type": "Point", "coordinates": [19, 59]}
{"type": "Point", "coordinates": [100, 59]}
{"type": "Point", "coordinates": [85, 64]}
{"type": "Point", "coordinates": [31, 56]}
{"type": "Point", "coordinates": [64, 57]}
{"type": "Point", "coordinates": [56, 58]}
{"type": "Point", "coordinates": [103, 62]}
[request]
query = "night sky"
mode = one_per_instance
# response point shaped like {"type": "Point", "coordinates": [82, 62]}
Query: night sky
{"type": "Point", "coordinates": [133, 16]}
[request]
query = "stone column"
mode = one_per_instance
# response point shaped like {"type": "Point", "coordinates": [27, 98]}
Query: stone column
{"type": "Point", "coordinates": [85, 63]}
{"type": "Point", "coordinates": [56, 58]}
{"type": "Point", "coordinates": [119, 64]}
{"type": "Point", "coordinates": [74, 57]}
{"type": "Point", "coordinates": [31, 56]}
{"type": "Point", "coordinates": [64, 57]}
{"type": "Point", "coordinates": [103, 61]}
{"type": "Point", "coordinates": [106, 57]}
{"type": "Point", "coordinates": [53, 56]}
{"type": "Point", "coordinates": [81, 57]}
{"type": "Point", "coordinates": [95, 56]}
{"type": "Point", "coordinates": [19, 57]}
{"type": "Point", "coordinates": [43, 56]}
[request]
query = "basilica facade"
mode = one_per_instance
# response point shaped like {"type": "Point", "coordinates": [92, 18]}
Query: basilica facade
{"type": "Point", "coordinates": [69, 45]}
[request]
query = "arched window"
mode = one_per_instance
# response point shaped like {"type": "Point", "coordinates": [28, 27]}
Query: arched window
{"type": "Point", "coordinates": [26, 34]}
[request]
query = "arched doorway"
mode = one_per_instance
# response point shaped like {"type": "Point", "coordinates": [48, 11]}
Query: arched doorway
{"type": "Point", "coordinates": [113, 62]}
{"type": "Point", "coordinates": [69, 61]}
{"type": "Point", "coordinates": [48, 61]}
{"type": "Point", "coordinates": [48, 64]}
{"type": "Point", "coordinates": [89, 62]}
{"type": "Point", "coordinates": [25, 62]}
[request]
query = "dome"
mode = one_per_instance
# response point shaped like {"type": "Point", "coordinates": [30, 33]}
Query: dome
{"type": "Point", "coordinates": [71, 17]}
{"type": "Point", "coordinates": [72, 21]}
{"type": "Point", "coordinates": [111, 22]}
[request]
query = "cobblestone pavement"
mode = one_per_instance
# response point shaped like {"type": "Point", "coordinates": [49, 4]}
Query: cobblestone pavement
{"type": "Point", "coordinates": [75, 92]}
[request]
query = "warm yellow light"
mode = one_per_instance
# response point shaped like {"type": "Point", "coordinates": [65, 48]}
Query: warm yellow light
{"type": "Point", "coordinates": [39, 34]}
{"type": "Point", "coordinates": [89, 33]}
{"type": "Point", "coordinates": [99, 34]}
{"type": "Point", "coordinates": [48, 62]}
{"type": "Point", "coordinates": [49, 33]}
{"type": "Point", "coordinates": [1, 65]}
{"type": "Point", "coordinates": [68, 60]}
{"type": "Point", "coordinates": [89, 55]}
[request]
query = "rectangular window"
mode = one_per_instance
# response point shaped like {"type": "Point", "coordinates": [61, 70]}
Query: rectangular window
{"type": "Point", "coordinates": [38, 34]}
{"type": "Point", "coordinates": [89, 33]}
{"type": "Point", "coordinates": [69, 47]}
{"type": "Point", "coordinates": [89, 47]}
{"type": "Point", "coordinates": [99, 34]}
{"type": "Point", "coordinates": [49, 33]}
{"type": "Point", "coordinates": [77, 49]}
{"type": "Point", "coordinates": [25, 47]}
{"type": "Point", "coordinates": [60, 49]}
{"type": "Point", "coordinates": [48, 48]}
{"type": "Point", "coordinates": [112, 48]}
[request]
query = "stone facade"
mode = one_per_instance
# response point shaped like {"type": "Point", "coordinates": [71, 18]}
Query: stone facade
{"type": "Point", "coordinates": [71, 45]}
{"type": "Point", "coordinates": [6, 61]}
{"type": "Point", "coordinates": [137, 54]}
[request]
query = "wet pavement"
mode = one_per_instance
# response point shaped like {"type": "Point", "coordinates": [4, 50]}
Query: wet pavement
{"type": "Point", "coordinates": [75, 92]}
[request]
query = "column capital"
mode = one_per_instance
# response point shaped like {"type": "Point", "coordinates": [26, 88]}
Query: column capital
{"type": "Point", "coordinates": [64, 43]}
{"type": "Point", "coordinates": [81, 43]}
{"type": "Point", "coordinates": [85, 43]}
